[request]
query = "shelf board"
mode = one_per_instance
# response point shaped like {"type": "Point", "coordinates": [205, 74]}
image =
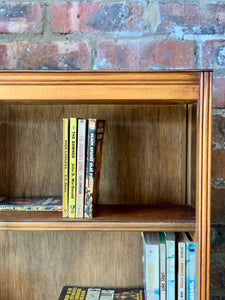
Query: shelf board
{"type": "Point", "coordinates": [108, 218]}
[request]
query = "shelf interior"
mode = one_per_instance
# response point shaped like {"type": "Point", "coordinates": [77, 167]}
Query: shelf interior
{"type": "Point", "coordinates": [144, 152]}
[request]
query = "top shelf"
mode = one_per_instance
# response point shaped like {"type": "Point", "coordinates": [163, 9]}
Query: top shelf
{"type": "Point", "coordinates": [100, 87]}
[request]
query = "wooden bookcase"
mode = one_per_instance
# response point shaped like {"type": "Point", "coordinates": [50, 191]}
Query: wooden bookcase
{"type": "Point", "coordinates": [155, 175]}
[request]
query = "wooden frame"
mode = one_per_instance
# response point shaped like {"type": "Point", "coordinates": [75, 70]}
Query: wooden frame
{"type": "Point", "coordinates": [191, 90]}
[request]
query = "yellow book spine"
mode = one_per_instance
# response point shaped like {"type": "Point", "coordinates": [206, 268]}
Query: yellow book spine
{"type": "Point", "coordinates": [72, 166]}
{"type": "Point", "coordinates": [65, 167]}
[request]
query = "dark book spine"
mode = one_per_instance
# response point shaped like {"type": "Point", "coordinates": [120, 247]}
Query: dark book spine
{"type": "Point", "coordinates": [98, 159]}
{"type": "Point", "coordinates": [90, 162]}
{"type": "Point", "coordinates": [93, 164]}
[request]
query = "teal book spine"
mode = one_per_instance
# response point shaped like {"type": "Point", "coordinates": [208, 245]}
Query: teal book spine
{"type": "Point", "coordinates": [190, 271]}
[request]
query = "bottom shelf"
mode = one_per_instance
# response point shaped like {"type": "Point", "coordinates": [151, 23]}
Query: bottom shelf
{"type": "Point", "coordinates": [108, 218]}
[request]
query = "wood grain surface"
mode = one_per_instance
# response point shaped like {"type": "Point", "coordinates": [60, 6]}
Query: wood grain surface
{"type": "Point", "coordinates": [37, 265]}
{"type": "Point", "coordinates": [142, 144]}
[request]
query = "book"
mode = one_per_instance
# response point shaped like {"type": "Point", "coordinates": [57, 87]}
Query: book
{"type": "Point", "coordinates": [151, 265]}
{"type": "Point", "coordinates": [85, 293]}
{"type": "Point", "coordinates": [72, 165]}
{"type": "Point", "coordinates": [95, 136]}
{"type": "Point", "coordinates": [162, 249]}
{"type": "Point", "coordinates": [190, 266]}
{"type": "Point", "coordinates": [31, 204]}
{"type": "Point", "coordinates": [181, 274]}
{"type": "Point", "coordinates": [170, 265]}
{"type": "Point", "coordinates": [65, 167]}
{"type": "Point", "coordinates": [129, 294]}
{"type": "Point", "coordinates": [80, 177]}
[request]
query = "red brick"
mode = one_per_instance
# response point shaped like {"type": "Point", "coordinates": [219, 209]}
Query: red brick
{"type": "Point", "coordinates": [174, 54]}
{"type": "Point", "coordinates": [219, 93]}
{"type": "Point", "coordinates": [3, 54]}
{"type": "Point", "coordinates": [61, 17]}
{"type": "Point", "coordinates": [130, 55]}
{"type": "Point", "coordinates": [169, 54]}
{"type": "Point", "coordinates": [58, 55]}
{"type": "Point", "coordinates": [117, 55]}
{"type": "Point", "coordinates": [8, 53]}
{"type": "Point", "coordinates": [218, 202]}
{"type": "Point", "coordinates": [217, 274]}
{"type": "Point", "coordinates": [19, 18]}
{"type": "Point", "coordinates": [213, 54]}
{"type": "Point", "coordinates": [192, 18]}
{"type": "Point", "coordinates": [218, 129]}
{"type": "Point", "coordinates": [218, 164]}
{"type": "Point", "coordinates": [96, 17]}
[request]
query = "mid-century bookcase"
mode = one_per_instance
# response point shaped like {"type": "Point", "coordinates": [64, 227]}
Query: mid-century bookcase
{"type": "Point", "coordinates": [155, 176]}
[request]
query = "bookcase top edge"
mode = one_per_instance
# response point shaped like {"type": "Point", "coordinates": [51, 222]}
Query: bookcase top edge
{"type": "Point", "coordinates": [110, 71]}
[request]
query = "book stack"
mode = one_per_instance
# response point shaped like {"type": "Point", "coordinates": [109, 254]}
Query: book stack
{"type": "Point", "coordinates": [82, 154]}
{"type": "Point", "coordinates": [169, 266]}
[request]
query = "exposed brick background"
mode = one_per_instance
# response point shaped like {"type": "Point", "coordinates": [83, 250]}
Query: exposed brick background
{"type": "Point", "coordinates": [129, 35]}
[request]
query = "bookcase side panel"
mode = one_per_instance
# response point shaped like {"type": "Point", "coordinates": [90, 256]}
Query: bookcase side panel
{"type": "Point", "coordinates": [203, 192]}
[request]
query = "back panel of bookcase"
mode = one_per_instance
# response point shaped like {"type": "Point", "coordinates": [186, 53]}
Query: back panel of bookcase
{"type": "Point", "coordinates": [39, 264]}
{"type": "Point", "coordinates": [144, 154]}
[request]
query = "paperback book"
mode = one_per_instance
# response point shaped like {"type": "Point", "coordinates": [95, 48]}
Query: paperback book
{"type": "Point", "coordinates": [181, 276]}
{"type": "Point", "coordinates": [162, 268]}
{"type": "Point", "coordinates": [170, 265]}
{"type": "Point", "coordinates": [72, 165]}
{"type": "Point", "coordinates": [151, 264]}
{"type": "Point", "coordinates": [65, 167]}
{"type": "Point", "coordinates": [93, 164]}
{"type": "Point", "coordinates": [190, 267]}
{"type": "Point", "coordinates": [84, 293]}
{"type": "Point", "coordinates": [80, 178]}
{"type": "Point", "coordinates": [31, 204]}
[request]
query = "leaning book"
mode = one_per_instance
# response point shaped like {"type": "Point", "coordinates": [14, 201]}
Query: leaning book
{"type": "Point", "coordinates": [31, 204]}
{"type": "Point", "coordinates": [84, 293]}
{"type": "Point", "coordinates": [95, 134]}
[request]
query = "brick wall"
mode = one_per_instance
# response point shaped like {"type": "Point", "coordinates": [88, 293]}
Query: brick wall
{"type": "Point", "coordinates": [69, 35]}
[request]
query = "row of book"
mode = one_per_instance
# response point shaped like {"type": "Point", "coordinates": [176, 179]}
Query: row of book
{"type": "Point", "coordinates": [169, 266]}
{"type": "Point", "coordinates": [82, 155]}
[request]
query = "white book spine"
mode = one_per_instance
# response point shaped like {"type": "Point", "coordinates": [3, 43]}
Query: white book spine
{"type": "Point", "coordinates": [170, 248]}
{"type": "Point", "coordinates": [181, 270]}
{"type": "Point", "coordinates": [152, 272]}
{"type": "Point", "coordinates": [81, 151]}
{"type": "Point", "coordinates": [162, 272]}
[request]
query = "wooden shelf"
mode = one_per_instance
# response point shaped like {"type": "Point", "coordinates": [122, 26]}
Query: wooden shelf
{"type": "Point", "coordinates": [108, 218]}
